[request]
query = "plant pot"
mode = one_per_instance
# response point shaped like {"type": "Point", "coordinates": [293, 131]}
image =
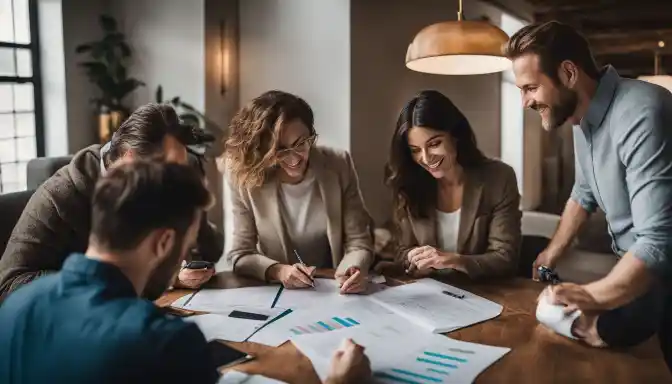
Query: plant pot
{"type": "Point", "coordinates": [109, 121]}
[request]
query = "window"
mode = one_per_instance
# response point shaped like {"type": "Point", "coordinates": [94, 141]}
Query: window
{"type": "Point", "coordinates": [21, 128]}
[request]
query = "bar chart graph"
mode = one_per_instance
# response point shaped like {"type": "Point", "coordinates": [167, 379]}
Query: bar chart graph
{"type": "Point", "coordinates": [428, 367]}
{"type": "Point", "coordinates": [325, 325]}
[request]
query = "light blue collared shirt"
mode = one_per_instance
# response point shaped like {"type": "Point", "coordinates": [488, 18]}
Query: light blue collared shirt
{"type": "Point", "coordinates": [623, 151]}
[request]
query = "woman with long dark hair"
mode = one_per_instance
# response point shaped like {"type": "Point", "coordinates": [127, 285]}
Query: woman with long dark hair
{"type": "Point", "coordinates": [455, 209]}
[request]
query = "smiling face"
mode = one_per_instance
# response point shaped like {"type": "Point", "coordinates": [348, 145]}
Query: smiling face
{"type": "Point", "coordinates": [433, 150]}
{"type": "Point", "coordinates": [555, 102]}
{"type": "Point", "coordinates": [294, 150]}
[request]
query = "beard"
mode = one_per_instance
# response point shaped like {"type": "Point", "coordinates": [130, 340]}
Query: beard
{"type": "Point", "coordinates": [163, 274]}
{"type": "Point", "coordinates": [560, 112]}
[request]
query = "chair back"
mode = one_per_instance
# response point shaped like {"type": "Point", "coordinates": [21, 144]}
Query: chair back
{"type": "Point", "coordinates": [40, 169]}
{"type": "Point", "coordinates": [11, 206]}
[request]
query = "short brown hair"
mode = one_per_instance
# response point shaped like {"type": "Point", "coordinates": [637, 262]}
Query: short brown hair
{"type": "Point", "coordinates": [144, 131]}
{"type": "Point", "coordinates": [137, 197]}
{"type": "Point", "coordinates": [553, 42]}
{"type": "Point", "coordinates": [254, 133]}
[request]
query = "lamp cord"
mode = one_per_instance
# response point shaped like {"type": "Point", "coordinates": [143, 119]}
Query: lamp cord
{"type": "Point", "coordinates": [459, 11]}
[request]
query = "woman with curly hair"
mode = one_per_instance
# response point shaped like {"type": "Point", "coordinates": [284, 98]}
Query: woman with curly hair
{"type": "Point", "coordinates": [293, 202]}
{"type": "Point", "coordinates": [455, 209]}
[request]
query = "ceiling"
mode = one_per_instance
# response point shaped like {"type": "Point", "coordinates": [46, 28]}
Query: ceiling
{"type": "Point", "coordinates": [622, 33]}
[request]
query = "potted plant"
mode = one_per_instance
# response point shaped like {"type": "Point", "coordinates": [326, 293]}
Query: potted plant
{"type": "Point", "coordinates": [210, 132]}
{"type": "Point", "coordinates": [106, 67]}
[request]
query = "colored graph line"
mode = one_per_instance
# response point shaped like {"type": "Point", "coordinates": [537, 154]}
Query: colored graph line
{"type": "Point", "coordinates": [438, 371]}
{"type": "Point", "coordinates": [398, 379]}
{"type": "Point", "coordinates": [353, 322]}
{"type": "Point", "coordinates": [446, 357]}
{"type": "Point", "coordinates": [417, 375]}
{"type": "Point", "coordinates": [327, 327]}
{"type": "Point", "coordinates": [342, 322]}
{"type": "Point", "coordinates": [428, 361]}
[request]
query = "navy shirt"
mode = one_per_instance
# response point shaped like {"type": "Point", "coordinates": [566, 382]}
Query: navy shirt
{"type": "Point", "coordinates": [86, 324]}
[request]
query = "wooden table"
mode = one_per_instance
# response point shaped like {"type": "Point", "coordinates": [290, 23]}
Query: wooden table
{"type": "Point", "coordinates": [538, 355]}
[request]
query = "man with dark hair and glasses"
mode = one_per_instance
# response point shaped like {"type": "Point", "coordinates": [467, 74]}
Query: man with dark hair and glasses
{"type": "Point", "coordinates": [56, 221]}
{"type": "Point", "coordinates": [87, 324]}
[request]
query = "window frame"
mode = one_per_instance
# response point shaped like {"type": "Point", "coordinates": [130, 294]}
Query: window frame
{"type": "Point", "coordinates": [35, 79]}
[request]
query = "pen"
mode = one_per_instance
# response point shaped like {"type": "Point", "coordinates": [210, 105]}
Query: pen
{"type": "Point", "coordinates": [304, 264]}
{"type": "Point", "coordinates": [190, 297]}
{"type": "Point", "coordinates": [455, 295]}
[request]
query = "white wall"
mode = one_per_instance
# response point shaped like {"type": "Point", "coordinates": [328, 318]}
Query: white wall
{"type": "Point", "coordinates": [168, 41]}
{"type": "Point", "coordinates": [52, 59]}
{"type": "Point", "coordinates": [302, 47]}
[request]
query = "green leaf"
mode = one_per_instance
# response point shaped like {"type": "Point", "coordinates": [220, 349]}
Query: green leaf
{"type": "Point", "coordinates": [108, 23]}
{"type": "Point", "coordinates": [125, 49]}
{"type": "Point", "coordinates": [159, 94]}
{"type": "Point", "coordinates": [175, 100]}
{"type": "Point", "coordinates": [188, 107]}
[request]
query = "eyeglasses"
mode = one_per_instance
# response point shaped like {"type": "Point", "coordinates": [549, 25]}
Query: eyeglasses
{"type": "Point", "coordinates": [299, 148]}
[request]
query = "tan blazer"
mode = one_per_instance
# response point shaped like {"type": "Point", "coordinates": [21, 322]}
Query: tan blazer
{"type": "Point", "coordinates": [490, 219]}
{"type": "Point", "coordinates": [259, 236]}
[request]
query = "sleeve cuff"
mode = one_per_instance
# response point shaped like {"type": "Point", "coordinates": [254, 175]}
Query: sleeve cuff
{"type": "Point", "coordinates": [653, 257]}
{"type": "Point", "coordinates": [361, 259]}
{"type": "Point", "coordinates": [586, 203]}
{"type": "Point", "coordinates": [254, 265]}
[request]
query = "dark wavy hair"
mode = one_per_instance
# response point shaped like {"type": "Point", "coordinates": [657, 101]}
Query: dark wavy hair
{"type": "Point", "coordinates": [415, 190]}
{"type": "Point", "coordinates": [254, 133]}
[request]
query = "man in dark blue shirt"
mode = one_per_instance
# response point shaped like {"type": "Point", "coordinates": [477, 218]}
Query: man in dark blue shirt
{"type": "Point", "coordinates": [87, 323]}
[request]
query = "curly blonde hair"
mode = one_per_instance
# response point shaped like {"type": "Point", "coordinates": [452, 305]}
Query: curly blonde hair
{"type": "Point", "coordinates": [250, 150]}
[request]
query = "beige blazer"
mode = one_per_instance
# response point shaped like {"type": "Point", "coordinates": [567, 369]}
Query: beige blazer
{"type": "Point", "coordinates": [490, 218]}
{"type": "Point", "coordinates": [259, 236]}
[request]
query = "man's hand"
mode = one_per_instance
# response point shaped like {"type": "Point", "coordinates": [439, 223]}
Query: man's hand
{"type": "Point", "coordinates": [194, 278]}
{"type": "Point", "coordinates": [573, 297]}
{"type": "Point", "coordinates": [292, 276]}
{"type": "Point", "coordinates": [349, 365]}
{"type": "Point", "coordinates": [427, 258]}
{"type": "Point", "coordinates": [547, 258]}
{"type": "Point", "coordinates": [352, 280]}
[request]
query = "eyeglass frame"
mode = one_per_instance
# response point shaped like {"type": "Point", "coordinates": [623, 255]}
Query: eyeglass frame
{"type": "Point", "coordinates": [283, 153]}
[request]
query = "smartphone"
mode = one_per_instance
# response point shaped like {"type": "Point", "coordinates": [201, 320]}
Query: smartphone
{"type": "Point", "coordinates": [225, 356]}
{"type": "Point", "coordinates": [199, 264]}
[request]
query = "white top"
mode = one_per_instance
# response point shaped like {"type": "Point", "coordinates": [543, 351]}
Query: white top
{"type": "Point", "coordinates": [447, 229]}
{"type": "Point", "coordinates": [305, 218]}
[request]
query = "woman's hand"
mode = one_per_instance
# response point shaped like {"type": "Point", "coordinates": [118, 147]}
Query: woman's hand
{"type": "Point", "coordinates": [292, 276]}
{"type": "Point", "coordinates": [353, 280]}
{"type": "Point", "coordinates": [427, 258]}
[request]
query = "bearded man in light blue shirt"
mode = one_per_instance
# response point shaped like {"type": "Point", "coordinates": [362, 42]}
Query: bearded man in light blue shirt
{"type": "Point", "coordinates": [623, 148]}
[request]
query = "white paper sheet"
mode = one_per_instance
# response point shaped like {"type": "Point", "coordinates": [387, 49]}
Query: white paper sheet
{"type": "Point", "coordinates": [356, 313]}
{"type": "Point", "coordinates": [398, 354]}
{"type": "Point", "coordinates": [425, 303]}
{"type": "Point", "coordinates": [218, 300]}
{"type": "Point", "coordinates": [224, 327]}
{"type": "Point", "coordinates": [235, 377]}
{"type": "Point", "coordinates": [554, 317]}
{"type": "Point", "coordinates": [325, 294]}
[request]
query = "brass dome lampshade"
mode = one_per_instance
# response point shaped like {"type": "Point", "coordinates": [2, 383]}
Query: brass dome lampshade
{"type": "Point", "coordinates": [458, 48]}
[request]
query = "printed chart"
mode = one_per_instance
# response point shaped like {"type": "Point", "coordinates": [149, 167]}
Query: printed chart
{"type": "Point", "coordinates": [429, 367]}
{"type": "Point", "coordinates": [325, 325]}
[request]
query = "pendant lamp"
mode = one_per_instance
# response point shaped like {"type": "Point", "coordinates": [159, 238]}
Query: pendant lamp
{"type": "Point", "coordinates": [658, 79]}
{"type": "Point", "coordinates": [458, 48]}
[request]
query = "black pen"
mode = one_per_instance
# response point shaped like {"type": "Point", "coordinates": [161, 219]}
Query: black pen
{"type": "Point", "coordinates": [455, 295]}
